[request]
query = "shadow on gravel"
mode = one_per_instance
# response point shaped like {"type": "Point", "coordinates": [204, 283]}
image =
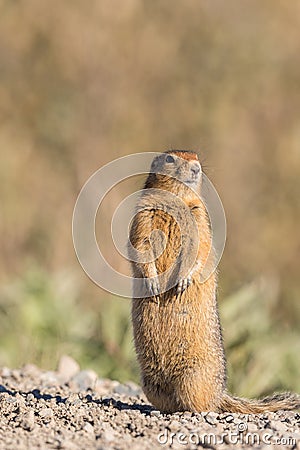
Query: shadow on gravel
{"type": "Point", "coordinates": [35, 392]}
{"type": "Point", "coordinates": [121, 406]}
{"type": "Point", "coordinates": [118, 404]}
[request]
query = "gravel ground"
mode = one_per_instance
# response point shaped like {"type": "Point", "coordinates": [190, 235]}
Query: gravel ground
{"type": "Point", "coordinates": [73, 409]}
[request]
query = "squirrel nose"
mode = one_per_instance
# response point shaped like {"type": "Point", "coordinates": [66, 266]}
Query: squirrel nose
{"type": "Point", "coordinates": [195, 169]}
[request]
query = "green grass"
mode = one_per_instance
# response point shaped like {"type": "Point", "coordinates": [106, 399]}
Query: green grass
{"type": "Point", "coordinates": [44, 316]}
{"type": "Point", "coordinates": [263, 353]}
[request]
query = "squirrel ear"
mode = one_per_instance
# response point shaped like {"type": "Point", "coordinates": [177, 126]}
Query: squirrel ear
{"type": "Point", "coordinates": [156, 163]}
{"type": "Point", "coordinates": [153, 166]}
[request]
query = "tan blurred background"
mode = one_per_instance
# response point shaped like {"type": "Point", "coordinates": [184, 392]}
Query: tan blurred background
{"type": "Point", "coordinates": [82, 83]}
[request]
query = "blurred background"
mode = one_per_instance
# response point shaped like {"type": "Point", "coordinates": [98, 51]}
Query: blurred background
{"type": "Point", "coordinates": [82, 83]}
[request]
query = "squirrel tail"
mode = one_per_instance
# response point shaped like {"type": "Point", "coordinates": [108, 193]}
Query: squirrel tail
{"type": "Point", "coordinates": [272, 403]}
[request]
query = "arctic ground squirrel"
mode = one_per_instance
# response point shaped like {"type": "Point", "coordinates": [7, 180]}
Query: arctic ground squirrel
{"type": "Point", "coordinates": [177, 332]}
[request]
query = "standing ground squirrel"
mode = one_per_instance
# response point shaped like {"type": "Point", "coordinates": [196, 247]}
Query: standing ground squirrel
{"type": "Point", "coordinates": [176, 325]}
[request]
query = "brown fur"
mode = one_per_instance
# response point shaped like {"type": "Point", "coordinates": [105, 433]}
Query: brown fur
{"type": "Point", "coordinates": [177, 335]}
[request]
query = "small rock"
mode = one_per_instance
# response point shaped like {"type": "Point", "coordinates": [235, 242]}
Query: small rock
{"type": "Point", "coordinates": [211, 418]}
{"type": "Point", "coordinates": [174, 425]}
{"type": "Point", "coordinates": [31, 369]}
{"type": "Point", "coordinates": [278, 425]}
{"type": "Point", "coordinates": [27, 421]}
{"type": "Point", "coordinates": [73, 399]}
{"type": "Point", "coordinates": [16, 374]}
{"type": "Point", "coordinates": [51, 378]}
{"type": "Point", "coordinates": [86, 379]}
{"type": "Point", "coordinates": [5, 372]}
{"type": "Point", "coordinates": [30, 397]}
{"type": "Point", "coordinates": [229, 418]}
{"type": "Point", "coordinates": [251, 427]}
{"type": "Point", "coordinates": [127, 389]}
{"type": "Point", "coordinates": [67, 367]}
{"type": "Point", "coordinates": [11, 400]}
{"type": "Point", "coordinates": [155, 413]}
{"type": "Point", "coordinates": [88, 428]}
{"type": "Point", "coordinates": [46, 413]}
{"type": "Point", "coordinates": [109, 436]}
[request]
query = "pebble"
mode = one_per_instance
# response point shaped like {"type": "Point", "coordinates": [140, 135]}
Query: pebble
{"type": "Point", "coordinates": [88, 428]}
{"type": "Point", "coordinates": [67, 367]}
{"type": "Point", "coordinates": [31, 370]}
{"type": "Point", "coordinates": [27, 421]}
{"type": "Point", "coordinates": [5, 372]}
{"type": "Point", "coordinates": [86, 379]}
{"type": "Point", "coordinates": [30, 397]}
{"type": "Point", "coordinates": [63, 415]}
{"type": "Point", "coordinates": [229, 418]}
{"type": "Point", "coordinates": [251, 427]}
{"type": "Point", "coordinates": [130, 389]}
{"type": "Point", "coordinates": [279, 426]}
{"type": "Point", "coordinates": [155, 413]}
{"type": "Point", "coordinates": [211, 418]}
{"type": "Point", "coordinates": [51, 378]}
{"type": "Point", "coordinates": [46, 413]}
{"type": "Point", "coordinates": [174, 425]}
{"type": "Point", "coordinates": [16, 375]}
{"type": "Point", "coordinates": [109, 436]}
{"type": "Point", "coordinates": [73, 399]}
{"type": "Point", "coordinates": [11, 400]}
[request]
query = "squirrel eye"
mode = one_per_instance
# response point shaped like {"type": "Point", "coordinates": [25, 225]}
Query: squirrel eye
{"type": "Point", "coordinates": [170, 159]}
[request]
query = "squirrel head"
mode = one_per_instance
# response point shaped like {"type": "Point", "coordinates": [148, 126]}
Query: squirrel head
{"type": "Point", "coordinates": [179, 170]}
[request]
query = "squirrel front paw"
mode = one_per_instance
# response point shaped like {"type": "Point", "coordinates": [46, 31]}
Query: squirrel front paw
{"type": "Point", "coordinates": [152, 287]}
{"type": "Point", "coordinates": [184, 284]}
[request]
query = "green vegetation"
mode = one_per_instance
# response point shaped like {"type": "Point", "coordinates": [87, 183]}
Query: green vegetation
{"type": "Point", "coordinates": [262, 352]}
{"type": "Point", "coordinates": [43, 317]}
